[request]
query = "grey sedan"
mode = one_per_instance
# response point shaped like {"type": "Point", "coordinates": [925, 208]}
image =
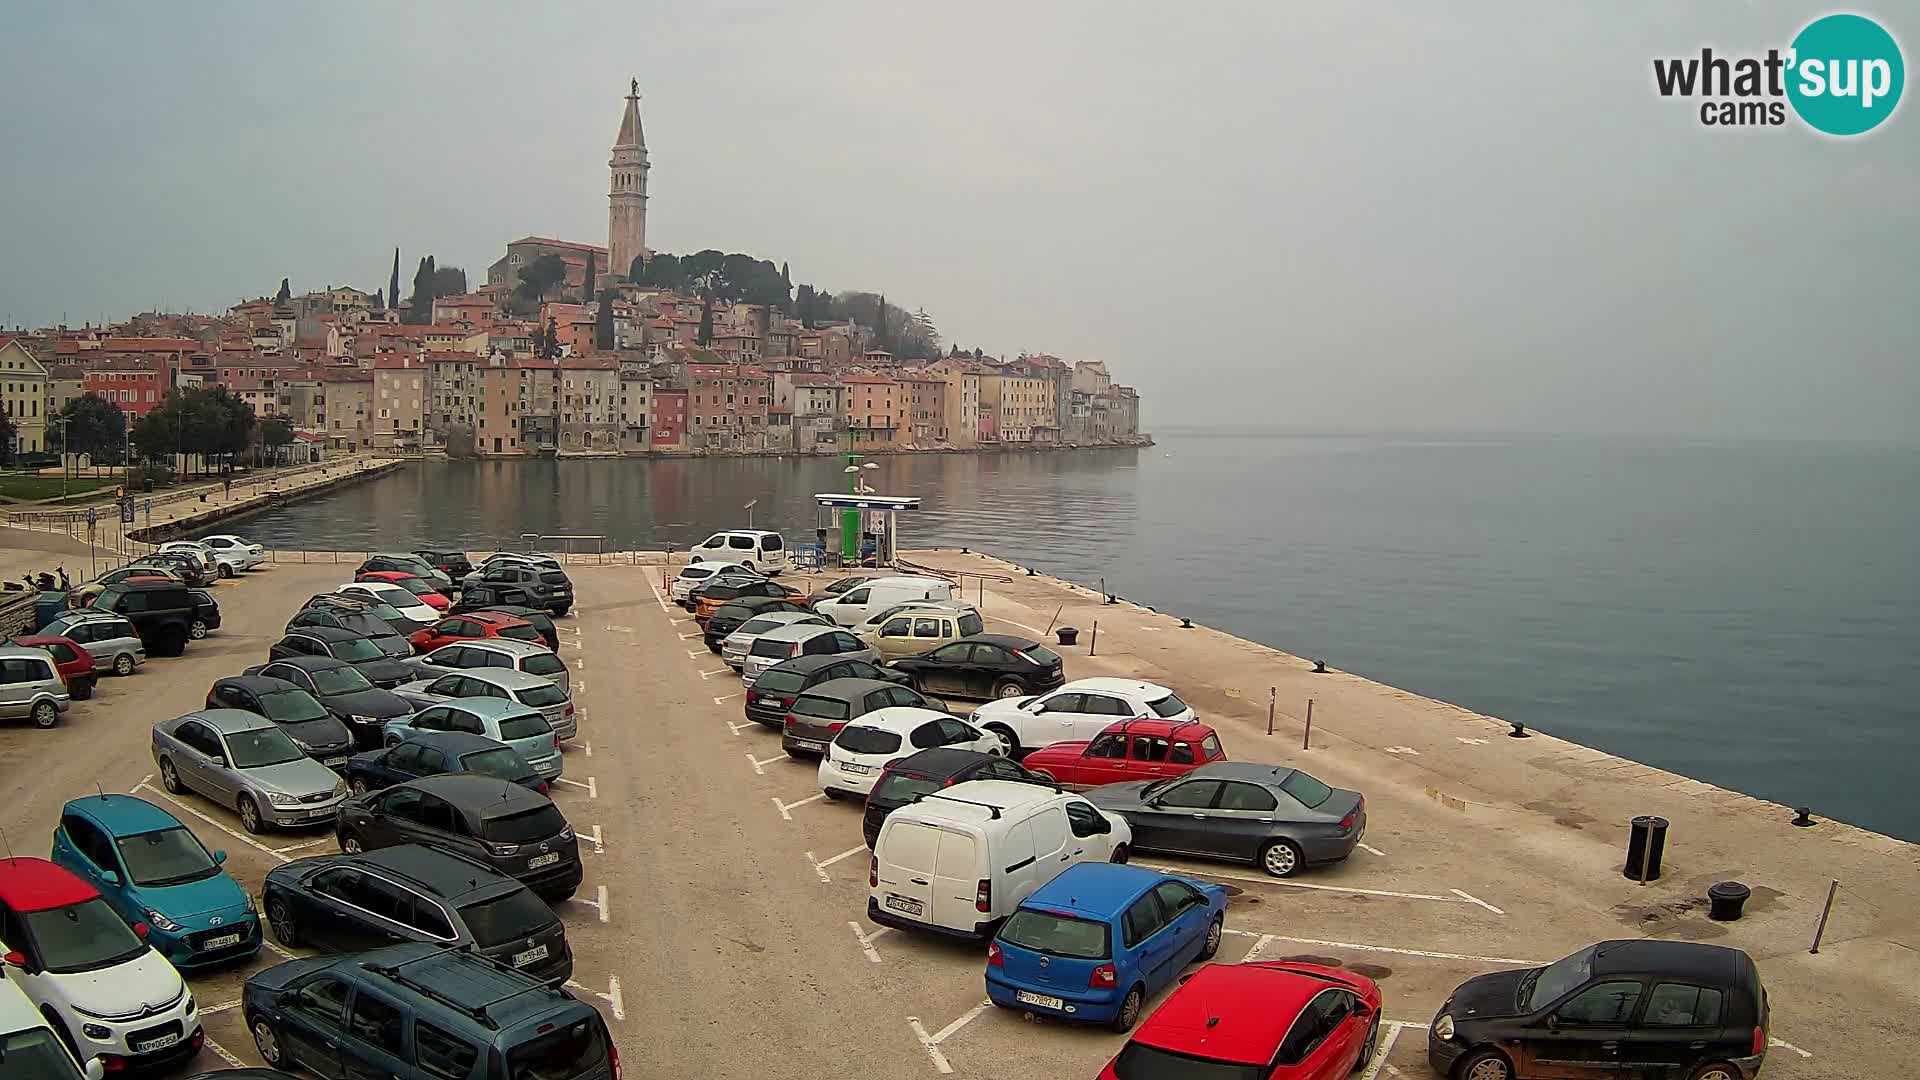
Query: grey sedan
{"type": "Point", "coordinates": [248, 763]}
{"type": "Point", "coordinates": [1277, 818]}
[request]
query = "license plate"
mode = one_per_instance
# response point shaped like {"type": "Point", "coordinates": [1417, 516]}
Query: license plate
{"type": "Point", "coordinates": [538, 861]}
{"type": "Point", "coordinates": [902, 904]}
{"type": "Point", "coordinates": [522, 959]}
{"type": "Point", "coordinates": [857, 770]}
{"type": "Point", "coordinates": [341, 760]}
{"type": "Point", "coordinates": [1041, 1000]}
{"type": "Point", "coordinates": [809, 744]}
{"type": "Point", "coordinates": [221, 942]}
{"type": "Point", "coordinates": [151, 1045]}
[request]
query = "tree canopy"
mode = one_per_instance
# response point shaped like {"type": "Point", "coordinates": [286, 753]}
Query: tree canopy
{"type": "Point", "coordinates": [733, 278]}
{"type": "Point", "coordinates": [208, 422]}
{"type": "Point", "coordinates": [538, 277]}
{"type": "Point", "coordinates": [94, 426]}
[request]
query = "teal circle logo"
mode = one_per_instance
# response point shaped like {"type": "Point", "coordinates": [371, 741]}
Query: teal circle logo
{"type": "Point", "coordinates": [1847, 74]}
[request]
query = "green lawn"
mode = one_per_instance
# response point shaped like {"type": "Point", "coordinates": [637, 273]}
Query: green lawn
{"type": "Point", "coordinates": [28, 486]}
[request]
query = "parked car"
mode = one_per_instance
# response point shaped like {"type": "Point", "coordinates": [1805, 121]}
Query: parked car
{"type": "Point", "coordinates": [959, 860]}
{"type": "Point", "coordinates": [428, 592]}
{"type": "Point", "coordinates": [361, 622]}
{"type": "Point", "coordinates": [537, 617]}
{"type": "Point", "coordinates": [864, 748]}
{"type": "Point", "coordinates": [405, 562]}
{"type": "Point", "coordinates": [803, 639]}
{"type": "Point", "coordinates": [362, 706]}
{"type": "Point", "coordinates": [105, 992]}
{"type": "Point", "coordinates": [1097, 942]}
{"type": "Point", "coordinates": [904, 780]}
{"type": "Point", "coordinates": [333, 642]}
{"type": "Point", "coordinates": [30, 688]}
{"type": "Point", "coordinates": [153, 871]}
{"type": "Point", "coordinates": [492, 821]}
{"type": "Point", "coordinates": [1269, 1019]}
{"type": "Point", "coordinates": [206, 614]}
{"type": "Point", "coordinates": [474, 625]}
{"type": "Point", "coordinates": [110, 639]}
{"type": "Point", "coordinates": [161, 613]}
{"type": "Point", "coordinates": [318, 733]}
{"type": "Point", "coordinates": [489, 596]}
{"type": "Point", "coordinates": [819, 712]}
{"type": "Point", "coordinates": [430, 753]}
{"type": "Point", "coordinates": [235, 551]}
{"type": "Point", "coordinates": [1078, 710]}
{"type": "Point", "coordinates": [733, 647]}
{"type": "Point", "coordinates": [33, 1050]}
{"type": "Point", "coordinates": [1130, 750]}
{"type": "Point", "coordinates": [244, 762]}
{"type": "Point", "coordinates": [518, 726]}
{"type": "Point", "coordinates": [918, 629]}
{"type": "Point", "coordinates": [693, 575]}
{"type": "Point", "coordinates": [411, 893]}
{"type": "Point", "coordinates": [342, 603]}
{"type": "Point", "coordinates": [855, 605]}
{"type": "Point", "coordinates": [454, 564]}
{"type": "Point", "coordinates": [496, 652]}
{"type": "Point", "coordinates": [463, 1015]}
{"type": "Point", "coordinates": [1634, 1007]}
{"type": "Point", "coordinates": [771, 692]}
{"type": "Point", "coordinates": [408, 605]}
{"type": "Point", "coordinates": [192, 568]}
{"type": "Point", "coordinates": [522, 558]}
{"type": "Point", "coordinates": [227, 561]}
{"type": "Point", "coordinates": [84, 595]}
{"type": "Point", "coordinates": [1276, 818]}
{"type": "Point", "coordinates": [708, 597]}
{"type": "Point", "coordinates": [734, 614]}
{"type": "Point", "coordinates": [834, 588]}
{"type": "Point", "coordinates": [756, 549]}
{"type": "Point", "coordinates": [534, 691]}
{"type": "Point", "coordinates": [70, 659]}
{"type": "Point", "coordinates": [548, 587]}
{"type": "Point", "coordinates": [985, 666]}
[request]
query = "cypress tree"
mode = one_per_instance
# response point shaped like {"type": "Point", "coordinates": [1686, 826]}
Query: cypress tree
{"type": "Point", "coordinates": [880, 322]}
{"type": "Point", "coordinates": [586, 291]}
{"type": "Point", "coordinates": [603, 323]}
{"type": "Point", "coordinates": [284, 294]}
{"type": "Point", "coordinates": [393, 283]}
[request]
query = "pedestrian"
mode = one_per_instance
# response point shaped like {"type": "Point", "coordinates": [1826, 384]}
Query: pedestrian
{"type": "Point", "coordinates": [229, 483]}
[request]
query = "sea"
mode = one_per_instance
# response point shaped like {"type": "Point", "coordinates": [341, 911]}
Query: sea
{"type": "Point", "coordinates": [1746, 613]}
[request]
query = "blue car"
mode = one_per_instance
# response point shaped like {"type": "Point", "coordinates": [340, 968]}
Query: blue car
{"type": "Point", "coordinates": [153, 871]}
{"type": "Point", "coordinates": [1096, 942]}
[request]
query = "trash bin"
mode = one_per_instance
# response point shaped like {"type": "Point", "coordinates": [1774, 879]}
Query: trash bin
{"type": "Point", "coordinates": [1726, 899]}
{"type": "Point", "coordinates": [1068, 634]}
{"type": "Point", "coordinates": [1646, 840]}
{"type": "Point", "coordinates": [47, 607]}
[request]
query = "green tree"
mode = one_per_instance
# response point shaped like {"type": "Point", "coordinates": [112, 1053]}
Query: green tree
{"type": "Point", "coordinates": [276, 433]}
{"type": "Point", "coordinates": [706, 318]}
{"type": "Point", "coordinates": [449, 281]}
{"type": "Point", "coordinates": [379, 298]}
{"type": "Point", "coordinates": [803, 305]}
{"type": "Point", "coordinates": [285, 293]}
{"type": "Point", "coordinates": [7, 434]}
{"type": "Point", "coordinates": [95, 427]}
{"type": "Point", "coordinates": [539, 276]}
{"type": "Point", "coordinates": [552, 350]}
{"type": "Point", "coordinates": [420, 307]}
{"type": "Point", "coordinates": [586, 287]}
{"type": "Point", "coordinates": [603, 323]}
{"type": "Point", "coordinates": [393, 283]}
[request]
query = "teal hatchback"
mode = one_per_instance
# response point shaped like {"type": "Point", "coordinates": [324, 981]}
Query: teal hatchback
{"type": "Point", "coordinates": [154, 873]}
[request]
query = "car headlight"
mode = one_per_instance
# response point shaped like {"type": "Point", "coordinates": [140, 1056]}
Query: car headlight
{"type": "Point", "coordinates": [281, 798]}
{"type": "Point", "coordinates": [95, 1031]}
{"type": "Point", "coordinates": [251, 910]}
{"type": "Point", "coordinates": [305, 747]}
{"type": "Point", "coordinates": [339, 788]}
{"type": "Point", "coordinates": [1443, 1027]}
{"type": "Point", "coordinates": [358, 719]}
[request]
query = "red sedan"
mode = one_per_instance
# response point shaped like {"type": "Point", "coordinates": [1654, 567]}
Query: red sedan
{"type": "Point", "coordinates": [1147, 749]}
{"type": "Point", "coordinates": [427, 591]}
{"type": "Point", "coordinates": [472, 625]}
{"type": "Point", "coordinates": [70, 659]}
{"type": "Point", "coordinates": [1262, 1021]}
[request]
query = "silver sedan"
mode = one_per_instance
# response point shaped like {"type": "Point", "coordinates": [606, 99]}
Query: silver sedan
{"type": "Point", "coordinates": [245, 762]}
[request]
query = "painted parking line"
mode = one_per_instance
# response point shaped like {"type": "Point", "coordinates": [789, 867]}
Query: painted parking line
{"type": "Point", "coordinates": [690, 637]}
{"type": "Point", "coordinates": [723, 699]}
{"type": "Point", "coordinates": [219, 1051]}
{"type": "Point", "coordinates": [242, 837]}
{"type": "Point", "coordinates": [785, 807]}
{"type": "Point", "coordinates": [1267, 939]}
{"type": "Point", "coordinates": [760, 765]}
{"type": "Point", "coordinates": [931, 1043]}
{"type": "Point", "coordinates": [599, 845]}
{"type": "Point", "coordinates": [303, 847]}
{"type": "Point", "coordinates": [820, 866]}
{"type": "Point", "coordinates": [695, 654]}
{"type": "Point", "coordinates": [616, 1002]}
{"type": "Point", "coordinates": [866, 941]}
{"type": "Point", "coordinates": [599, 904]}
{"type": "Point", "coordinates": [592, 786]}
{"type": "Point", "coordinates": [716, 671]}
{"type": "Point", "coordinates": [738, 728]}
{"type": "Point", "coordinates": [1374, 850]}
{"type": "Point", "coordinates": [1472, 899]}
{"type": "Point", "coordinates": [611, 629]}
{"type": "Point", "coordinates": [1459, 898]}
{"type": "Point", "coordinates": [656, 595]}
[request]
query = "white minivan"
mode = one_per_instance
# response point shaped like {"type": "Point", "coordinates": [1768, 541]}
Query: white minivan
{"type": "Point", "coordinates": [758, 551]}
{"type": "Point", "coordinates": [959, 860]}
{"type": "Point", "coordinates": [861, 602]}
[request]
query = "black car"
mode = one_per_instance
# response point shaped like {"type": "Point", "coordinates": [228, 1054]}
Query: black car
{"type": "Point", "coordinates": [986, 666]}
{"type": "Point", "coordinates": [362, 706]}
{"type": "Point", "coordinates": [546, 587]}
{"type": "Point", "coordinates": [430, 753]}
{"type": "Point", "coordinates": [318, 733]}
{"type": "Point", "coordinates": [188, 565]}
{"type": "Point", "coordinates": [243, 1074]}
{"type": "Point", "coordinates": [927, 771]}
{"type": "Point", "coordinates": [477, 595]}
{"type": "Point", "coordinates": [773, 692]}
{"type": "Point", "coordinates": [496, 822]}
{"type": "Point", "coordinates": [1644, 1007]}
{"type": "Point", "coordinates": [819, 712]}
{"type": "Point", "coordinates": [1277, 818]}
{"type": "Point", "coordinates": [162, 613]}
{"type": "Point", "coordinates": [348, 903]}
{"type": "Point", "coordinates": [395, 563]}
{"type": "Point", "coordinates": [322, 604]}
{"type": "Point", "coordinates": [454, 564]}
{"type": "Point", "coordinates": [206, 614]}
{"type": "Point", "coordinates": [731, 615]}
{"type": "Point", "coordinates": [725, 588]}
{"type": "Point", "coordinates": [543, 622]}
{"type": "Point", "coordinates": [380, 668]}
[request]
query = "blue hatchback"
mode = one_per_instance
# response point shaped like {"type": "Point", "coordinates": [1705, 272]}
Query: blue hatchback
{"type": "Point", "coordinates": [154, 872]}
{"type": "Point", "coordinates": [1096, 942]}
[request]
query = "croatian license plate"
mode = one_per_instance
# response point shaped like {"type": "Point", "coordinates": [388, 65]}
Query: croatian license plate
{"type": "Point", "coordinates": [341, 760]}
{"type": "Point", "coordinates": [809, 744]}
{"type": "Point", "coordinates": [906, 906]}
{"type": "Point", "coordinates": [857, 770]}
{"type": "Point", "coordinates": [539, 861]}
{"type": "Point", "coordinates": [1041, 1000]}
{"type": "Point", "coordinates": [522, 959]}
{"type": "Point", "coordinates": [160, 1043]}
{"type": "Point", "coordinates": [221, 942]}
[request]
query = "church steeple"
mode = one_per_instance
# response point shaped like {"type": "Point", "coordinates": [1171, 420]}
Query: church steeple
{"type": "Point", "coordinates": [627, 191]}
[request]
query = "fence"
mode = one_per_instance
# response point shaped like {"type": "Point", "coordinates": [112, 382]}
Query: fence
{"type": "Point", "coordinates": [67, 520]}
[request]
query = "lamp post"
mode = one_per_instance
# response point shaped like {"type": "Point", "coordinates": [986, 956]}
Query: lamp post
{"type": "Point", "coordinates": [65, 453]}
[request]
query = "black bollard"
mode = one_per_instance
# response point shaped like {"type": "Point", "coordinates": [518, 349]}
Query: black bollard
{"type": "Point", "coordinates": [1646, 844]}
{"type": "Point", "coordinates": [1725, 900]}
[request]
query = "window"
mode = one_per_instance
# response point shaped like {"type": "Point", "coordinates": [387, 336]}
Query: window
{"type": "Point", "coordinates": [402, 803]}
{"type": "Point", "coordinates": [1602, 1003]}
{"type": "Point", "coordinates": [926, 735]}
{"type": "Point", "coordinates": [440, 1054]}
{"type": "Point", "coordinates": [953, 731]}
{"type": "Point", "coordinates": [1181, 754]}
{"type": "Point", "coordinates": [1192, 795]}
{"type": "Point", "coordinates": [896, 628]}
{"type": "Point", "coordinates": [1149, 748]}
{"type": "Point", "coordinates": [406, 758]}
{"type": "Point", "coordinates": [1680, 1005]}
{"type": "Point", "coordinates": [1210, 750]}
{"type": "Point", "coordinates": [21, 671]}
{"type": "Point", "coordinates": [1140, 920]}
{"type": "Point", "coordinates": [1176, 897]}
{"type": "Point", "coordinates": [1248, 797]}
{"type": "Point", "coordinates": [1316, 1021]}
{"type": "Point", "coordinates": [377, 1024]}
{"type": "Point", "coordinates": [1110, 747]}
{"type": "Point", "coordinates": [323, 1001]}
{"type": "Point", "coordinates": [1065, 703]}
{"type": "Point", "coordinates": [1102, 705]}
{"type": "Point", "coordinates": [1084, 820]}
{"type": "Point", "coordinates": [1305, 789]}
{"type": "Point", "coordinates": [428, 917]}
{"type": "Point", "coordinates": [970, 625]}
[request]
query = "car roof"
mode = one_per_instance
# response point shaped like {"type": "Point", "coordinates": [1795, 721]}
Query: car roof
{"type": "Point", "coordinates": [1244, 770]}
{"type": "Point", "coordinates": [123, 815]}
{"type": "Point", "coordinates": [902, 579]}
{"type": "Point", "coordinates": [477, 790]}
{"type": "Point", "coordinates": [755, 604]}
{"type": "Point", "coordinates": [519, 612]}
{"type": "Point", "coordinates": [74, 618]}
{"type": "Point", "coordinates": [493, 708]}
{"type": "Point", "coordinates": [799, 631]}
{"type": "Point", "coordinates": [746, 532]}
{"type": "Point", "coordinates": [452, 876]}
{"type": "Point", "coordinates": [506, 997]}
{"type": "Point", "coordinates": [310, 663]}
{"type": "Point", "coordinates": [788, 618]}
{"type": "Point", "coordinates": [899, 719]}
{"type": "Point", "coordinates": [974, 800]}
{"type": "Point", "coordinates": [505, 678]}
{"type": "Point", "coordinates": [387, 576]}
{"type": "Point", "coordinates": [1147, 690]}
{"type": "Point", "coordinates": [326, 633]}
{"type": "Point", "coordinates": [29, 884]}
{"type": "Point", "coordinates": [510, 646]}
{"type": "Point", "coordinates": [1178, 729]}
{"type": "Point", "coordinates": [1708, 962]}
{"type": "Point", "coordinates": [940, 762]}
{"type": "Point", "coordinates": [1101, 890]}
{"type": "Point", "coordinates": [258, 684]}
{"type": "Point", "coordinates": [1234, 1012]}
{"type": "Point", "coordinates": [229, 721]}
{"type": "Point", "coordinates": [1005, 641]}
{"type": "Point", "coordinates": [846, 689]}
{"type": "Point", "coordinates": [454, 742]}
{"type": "Point", "coordinates": [492, 618]}
{"type": "Point", "coordinates": [23, 652]}
{"type": "Point", "coordinates": [40, 641]}
{"type": "Point", "coordinates": [807, 665]}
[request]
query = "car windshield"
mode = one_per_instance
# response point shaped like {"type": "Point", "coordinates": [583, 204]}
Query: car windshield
{"type": "Point", "coordinates": [354, 650]}
{"type": "Point", "coordinates": [383, 611]}
{"type": "Point", "coordinates": [1171, 705]}
{"type": "Point", "coordinates": [543, 664]}
{"type": "Point", "coordinates": [1057, 934]}
{"type": "Point", "coordinates": [524, 726]}
{"type": "Point", "coordinates": [261, 747]}
{"type": "Point", "coordinates": [576, 1050]}
{"type": "Point", "coordinates": [695, 573]}
{"type": "Point", "coordinates": [1040, 655]}
{"type": "Point", "coordinates": [758, 626]}
{"type": "Point", "coordinates": [1307, 791]}
{"type": "Point", "coordinates": [417, 586]}
{"type": "Point", "coordinates": [518, 914]}
{"type": "Point", "coordinates": [543, 695]}
{"type": "Point", "coordinates": [765, 647]}
{"type": "Point", "coordinates": [1138, 1061]}
{"type": "Point", "coordinates": [523, 632]}
{"type": "Point", "coordinates": [538, 823]}
{"type": "Point", "coordinates": [339, 680]}
{"type": "Point", "coordinates": [775, 681]}
{"type": "Point", "coordinates": [901, 788]}
{"type": "Point", "coordinates": [860, 739]}
{"type": "Point", "coordinates": [35, 1054]}
{"type": "Point", "coordinates": [168, 857]}
{"type": "Point", "coordinates": [81, 937]}
{"type": "Point", "coordinates": [291, 706]}
{"type": "Point", "coordinates": [1550, 982]}
{"type": "Point", "coordinates": [501, 762]}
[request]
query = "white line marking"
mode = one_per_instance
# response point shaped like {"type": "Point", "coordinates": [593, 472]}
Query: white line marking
{"type": "Point", "coordinates": [1032, 630]}
{"type": "Point", "coordinates": [600, 904]}
{"type": "Point", "coordinates": [784, 807]}
{"type": "Point", "coordinates": [588, 746]}
{"type": "Point", "coordinates": [208, 1010]}
{"type": "Point", "coordinates": [614, 999]}
{"type": "Point", "coordinates": [716, 671]}
{"type": "Point", "coordinates": [690, 637]}
{"type": "Point", "coordinates": [657, 596]}
{"type": "Point", "coordinates": [303, 847]}
{"type": "Point", "coordinates": [619, 629]}
{"type": "Point", "coordinates": [866, 943]}
{"type": "Point", "coordinates": [1380, 1055]}
{"type": "Point", "coordinates": [1265, 939]}
{"type": "Point", "coordinates": [1401, 750]}
{"type": "Point", "coordinates": [242, 837]}
{"type": "Point", "coordinates": [1373, 849]}
{"type": "Point", "coordinates": [1463, 898]}
{"type": "Point", "coordinates": [599, 845]}
{"type": "Point", "coordinates": [592, 786]}
{"type": "Point", "coordinates": [1785, 1045]}
{"type": "Point", "coordinates": [927, 1044]}
{"type": "Point", "coordinates": [1472, 899]}
{"type": "Point", "coordinates": [1258, 948]}
{"type": "Point", "coordinates": [220, 1052]}
{"type": "Point", "coordinates": [759, 766]}
{"type": "Point", "coordinates": [1469, 742]}
{"type": "Point", "coordinates": [723, 700]}
{"type": "Point", "coordinates": [143, 780]}
{"type": "Point", "coordinates": [966, 1018]}
{"type": "Point", "coordinates": [695, 654]}
{"type": "Point", "coordinates": [820, 867]}
{"type": "Point", "coordinates": [738, 728]}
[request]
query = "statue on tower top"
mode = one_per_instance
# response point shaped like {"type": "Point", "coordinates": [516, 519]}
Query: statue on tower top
{"type": "Point", "coordinates": [633, 87]}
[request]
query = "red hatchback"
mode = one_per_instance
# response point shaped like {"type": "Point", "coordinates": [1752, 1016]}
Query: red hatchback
{"type": "Point", "coordinates": [472, 625]}
{"type": "Point", "coordinates": [427, 591]}
{"type": "Point", "coordinates": [70, 659]}
{"type": "Point", "coordinates": [1147, 749]}
{"type": "Point", "coordinates": [1273, 1020]}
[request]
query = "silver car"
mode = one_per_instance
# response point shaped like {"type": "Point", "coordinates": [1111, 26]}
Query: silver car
{"type": "Point", "coordinates": [246, 762]}
{"type": "Point", "coordinates": [553, 701]}
{"type": "Point", "coordinates": [111, 640]}
{"type": "Point", "coordinates": [733, 647]}
{"type": "Point", "coordinates": [496, 653]}
{"type": "Point", "coordinates": [510, 722]}
{"type": "Point", "coordinates": [30, 687]}
{"type": "Point", "coordinates": [803, 639]}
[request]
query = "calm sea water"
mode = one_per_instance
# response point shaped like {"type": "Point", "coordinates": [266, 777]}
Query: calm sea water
{"type": "Point", "coordinates": [1748, 614]}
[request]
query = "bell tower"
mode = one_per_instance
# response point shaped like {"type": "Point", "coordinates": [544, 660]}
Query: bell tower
{"type": "Point", "coordinates": [627, 189]}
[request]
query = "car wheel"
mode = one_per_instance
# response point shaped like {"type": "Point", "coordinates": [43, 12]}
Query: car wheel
{"type": "Point", "coordinates": [250, 818]}
{"type": "Point", "coordinates": [1212, 945]}
{"type": "Point", "coordinates": [1369, 1048]}
{"type": "Point", "coordinates": [123, 664]}
{"type": "Point", "coordinates": [714, 648]}
{"type": "Point", "coordinates": [198, 630]}
{"type": "Point", "coordinates": [226, 571]}
{"type": "Point", "coordinates": [1718, 1070]}
{"type": "Point", "coordinates": [832, 795]}
{"type": "Point", "coordinates": [267, 1041]}
{"type": "Point", "coordinates": [1007, 736]}
{"type": "Point", "coordinates": [351, 844]}
{"type": "Point", "coordinates": [1281, 858]}
{"type": "Point", "coordinates": [46, 714]}
{"type": "Point", "coordinates": [357, 786]}
{"type": "Point", "coordinates": [1129, 1013]}
{"type": "Point", "coordinates": [280, 917]}
{"type": "Point", "coordinates": [1487, 1064]}
{"type": "Point", "coordinates": [1007, 688]}
{"type": "Point", "coordinates": [83, 689]}
{"type": "Point", "coordinates": [170, 779]}
{"type": "Point", "coordinates": [1120, 854]}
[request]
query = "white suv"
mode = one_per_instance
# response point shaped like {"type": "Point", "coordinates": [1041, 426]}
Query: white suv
{"type": "Point", "coordinates": [1079, 710]}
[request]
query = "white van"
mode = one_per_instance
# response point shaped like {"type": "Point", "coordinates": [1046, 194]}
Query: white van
{"type": "Point", "coordinates": [758, 551]}
{"type": "Point", "coordinates": [861, 602]}
{"type": "Point", "coordinates": [959, 860]}
{"type": "Point", "coordinates": [29, 1049]}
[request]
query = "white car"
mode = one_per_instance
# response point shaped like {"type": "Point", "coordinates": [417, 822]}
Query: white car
{"type": "Point", "coordinates": [224, 565]}
{"type": "Point", "coordinates": [856, 756]}
{"type": "Point", "coordinates": [31, 1045]}
{"type": "Point", "coordinates": [1079, 710]}
{"type": "Point", "coordinates": [692, 575]}
{"type": "Point", "coordinates": [241, 552]}
{"type": "Point", "coordinates": [79, 962]}
{"type": "Point", "coordinates": [407, 604]}
{"type": "Point", "coordinates": [758, 550]}
{"type": "Point", "coordinates": [733, 647]}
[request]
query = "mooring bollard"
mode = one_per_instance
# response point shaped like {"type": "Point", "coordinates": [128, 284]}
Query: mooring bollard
{"type": "Point", "coordinates": [1068, 634]}
{"type": "Point", "coordinates": [1646, 844]}
{"type": "Point", "coordinates": [1725, 899]}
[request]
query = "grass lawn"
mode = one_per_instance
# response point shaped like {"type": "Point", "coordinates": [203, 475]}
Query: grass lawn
{"type": "Point", "coordinates": [29, 486]}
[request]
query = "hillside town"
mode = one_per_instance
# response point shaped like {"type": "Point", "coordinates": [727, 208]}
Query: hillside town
{"type": "Point", "coordinates": [569, 349]}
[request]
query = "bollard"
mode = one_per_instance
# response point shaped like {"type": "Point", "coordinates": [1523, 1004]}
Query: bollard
{"type": "Point", "coordinates": [1519, 730]}
{"type": "Point", "coordinates": [1725, 899]}
{"type": "Point", "coordinates": [1056, 618]}
{"type": "Point", "coordinates": [1095, 640]}
{"type": "Point", "coordinates": [1306, 736]}
{"type": "Point", "coordinates": [1803, 816]}
{"type": "Point", "coordinates": [1068, 634]}
{"type": "Point", "coordinates": [1186, 624]}
{"type": "Point", "coordinates": [1271, 691]}
{"type": "Point", "coordinates": [1646, 844]}
{"type": "Point", "coordinates": [1820, 929]}
{"type": "Point", "coordinates": [1319, 667]}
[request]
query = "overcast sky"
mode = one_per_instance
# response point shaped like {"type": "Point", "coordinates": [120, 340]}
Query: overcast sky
{"type": "Point", "coordinates": [1309, 215]}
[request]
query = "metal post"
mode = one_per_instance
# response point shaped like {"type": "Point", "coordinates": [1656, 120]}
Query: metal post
{"type": "Point", "coordinates": [1820, 930]}
{"type": "Point", "coordinates": [1272, 691]}
{"type": "Point", "coordinates": [1306, 737]}
{"type": "Point", "coordinates": [1096, 637]}
{"type": "Point", "coordinates": [1055, 619]}
{"type": "Point", "coordinates": [1646, 854]}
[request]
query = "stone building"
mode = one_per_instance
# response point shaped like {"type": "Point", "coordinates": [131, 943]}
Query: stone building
{"type": "Point", "coordinates": [627, 189]}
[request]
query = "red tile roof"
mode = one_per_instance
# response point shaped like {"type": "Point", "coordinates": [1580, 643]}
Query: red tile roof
{"type": "Point", "coordinates": [147, 344]}
{"type": "Point", "coordinates": [567, 245]}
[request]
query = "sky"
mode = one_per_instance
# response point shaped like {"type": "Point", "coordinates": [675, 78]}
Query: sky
{"type": "Point", "coordinates": [1411, 216]}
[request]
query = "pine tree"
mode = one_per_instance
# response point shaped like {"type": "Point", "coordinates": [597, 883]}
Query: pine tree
{"type": "Point", "coordinates": [880, 322]}
{"type": "Point", "coordinates": [379, 298]}
{"type": "Point", "coordinates": [586, 290]}
{"type": "Point", "coordinates": [393, 283]}
{"type": "Point", "coordinates": [553, 339]}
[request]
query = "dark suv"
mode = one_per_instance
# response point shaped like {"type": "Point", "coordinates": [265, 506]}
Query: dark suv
{"type": "Point", "coordinates": [346, 903]}
{"type": "Point", "coordinates": [454, 564]}
{"type": "Point", "coordinates": [774, 690]}
{"type": "Point", "coordinates": [477, 595]}
{"type": "Point", "coordinates": [818, 713]}
{"type": "Point", "coordinates": [422, 1012]}
{"type": "Point", "coordinates": [378, 665]}
{"type": "Point", "coordinates": [906, 779]}
{"type": "Point", "coordinates": [545, 586]}
{"type": "Point", "coordinates": [318, 733]}
{"type": "Point", "coordinates": [362, 623]}
{"type": "Point", "coordinates": [493, 821]}
{"type": "Point", "coordinates": [162, 613]}
{"type": "Point", "coordinates": [341, 603]}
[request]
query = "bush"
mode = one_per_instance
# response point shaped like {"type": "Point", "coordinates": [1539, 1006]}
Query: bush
{"type": "Point", "coordinates": [141, 475]}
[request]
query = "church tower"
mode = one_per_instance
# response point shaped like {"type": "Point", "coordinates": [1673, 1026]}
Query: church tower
{"type": "Point", "coordinates": [627, 195]}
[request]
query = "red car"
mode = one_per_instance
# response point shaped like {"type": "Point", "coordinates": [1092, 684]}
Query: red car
{"type": "Point", "coordinates": [474, 624]}
{"type": "Point", "coordinates": [428, 593]}
{"type": "Point", "coordinates": [70, 659]}
{"type": "Point", "coordinates": [1147, 749]}
{"type": "Point", "coordinates": [1274, 1020]}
